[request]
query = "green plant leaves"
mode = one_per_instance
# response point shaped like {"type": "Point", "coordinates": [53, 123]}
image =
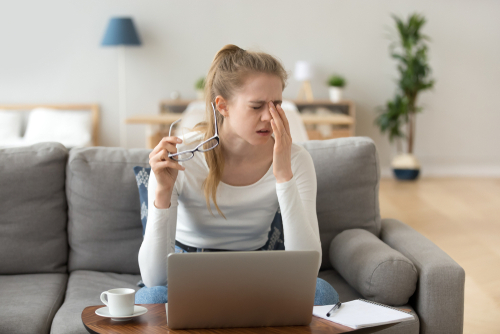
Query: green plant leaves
{"type": "Point", "coordinates": [200, 83]}
{"type": "Point", "coordinates": [336, 81]}
{"type": "Point", "coordinates": [410, 52]}
{"type": "Point", "coordinates": [392, 115]}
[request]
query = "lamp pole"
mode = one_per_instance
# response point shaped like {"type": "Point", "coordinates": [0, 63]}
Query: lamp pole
{"type": "Point", "coordinates": [121, 32]}
{"type": "Point", "coordinates": [122, 96]}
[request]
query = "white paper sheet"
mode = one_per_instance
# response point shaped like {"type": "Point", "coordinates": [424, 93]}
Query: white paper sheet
{"type": "Point", "coordinates": [359, 314]}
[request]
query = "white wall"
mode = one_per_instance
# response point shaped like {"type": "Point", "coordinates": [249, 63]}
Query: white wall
{"type": "Point", "coordinates": [50, 52]}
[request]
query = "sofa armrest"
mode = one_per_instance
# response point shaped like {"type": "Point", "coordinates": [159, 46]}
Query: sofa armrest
{"type": "Point", "coordinates": [439, 297]}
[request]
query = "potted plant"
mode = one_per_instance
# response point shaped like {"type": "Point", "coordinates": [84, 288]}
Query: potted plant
{"type": "Point", "coordinates": [410, 51]}
{"type": "Point", "coordinates": [200, 88]}
{"type": "Point", "coordinates": [336, 83]}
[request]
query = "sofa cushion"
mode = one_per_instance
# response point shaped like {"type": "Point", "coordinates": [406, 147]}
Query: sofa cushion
{"type": "Point", "coordinates": [30, 301]}
{"type": "Point", "coordinates": [104, 227]}
{"type": "Point", "coordinates": [348, 293]}
{"type": "Point", "coordinates": [84, 289]}
{"type": "Point", "coordinates": [377, 271]}
{"type": "Point", "coordinates": [33, 209]}
{"type": "Point", "coordinates": [348, 176]}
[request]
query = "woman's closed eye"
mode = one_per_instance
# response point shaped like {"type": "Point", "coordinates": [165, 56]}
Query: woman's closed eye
{"type": "Point", "coordinates": [263, 105]}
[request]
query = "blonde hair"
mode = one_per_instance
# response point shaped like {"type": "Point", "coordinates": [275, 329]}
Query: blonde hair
{"type": "Point", "coordinates": [228, 72]}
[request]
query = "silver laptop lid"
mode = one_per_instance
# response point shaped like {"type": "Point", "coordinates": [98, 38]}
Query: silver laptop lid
{"type": "Point", "coordinates": [241, 289]}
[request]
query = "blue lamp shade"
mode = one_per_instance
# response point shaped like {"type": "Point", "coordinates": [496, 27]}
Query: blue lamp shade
{"type": "Point", "coordinates": [121, 31]}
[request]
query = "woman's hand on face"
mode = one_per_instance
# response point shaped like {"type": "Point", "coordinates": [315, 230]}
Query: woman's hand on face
{"type": "Point", "coordinates": [282, 156]}
{"type": "Point", "coordinates": [165, 168]}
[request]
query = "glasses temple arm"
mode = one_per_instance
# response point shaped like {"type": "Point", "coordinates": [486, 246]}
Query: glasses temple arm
{"type": "Point", "coordinates": [215, 120]}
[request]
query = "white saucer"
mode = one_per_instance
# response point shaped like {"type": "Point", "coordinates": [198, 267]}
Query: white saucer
{"type": "Point", "coordinates": [104, 312]}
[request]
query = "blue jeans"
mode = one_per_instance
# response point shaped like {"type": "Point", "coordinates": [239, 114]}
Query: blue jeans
{"type": "Point", "coordinates": [325, 293]}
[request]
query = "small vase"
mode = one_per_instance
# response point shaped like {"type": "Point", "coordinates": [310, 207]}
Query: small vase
{"type": "Point", "coordinates": [335, 93]}
{"type": "Point", "coordinates": [405, 167]}
{"type": "Point", "coordinates": [200, 94]}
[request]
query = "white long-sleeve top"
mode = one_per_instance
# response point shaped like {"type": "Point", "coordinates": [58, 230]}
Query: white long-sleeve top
{"type": "Point", "coordinates": [249, 211]}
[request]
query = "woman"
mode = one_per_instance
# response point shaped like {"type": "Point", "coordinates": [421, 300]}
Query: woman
{"type": "Point", "coordinates": [245, 178]}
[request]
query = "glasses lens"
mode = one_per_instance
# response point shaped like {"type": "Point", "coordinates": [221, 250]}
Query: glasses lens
{"type": "Point", "coordinates": [208, 145]}
{"type": "Point", "coordinates": [183, 156]}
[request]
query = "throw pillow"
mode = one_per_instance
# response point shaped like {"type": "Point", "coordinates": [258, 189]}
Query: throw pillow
{"type": "Point", "coordinates": [377, 271]}
{"type": "Point", "coordinates": [10, 124]}
{"type": "Point", "coordinates": [142, 178]}
{"type": "Point", "coordinates": [72, 128]}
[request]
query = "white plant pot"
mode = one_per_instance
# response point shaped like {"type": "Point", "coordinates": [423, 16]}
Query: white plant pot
{"type": "Point", "coordinates": [200, 94]}
{"type": "Point", "coordinates": [335, 93]}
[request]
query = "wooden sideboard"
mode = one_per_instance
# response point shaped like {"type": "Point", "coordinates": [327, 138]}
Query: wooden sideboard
{"type": "Point", "coordinates": [340, 116]}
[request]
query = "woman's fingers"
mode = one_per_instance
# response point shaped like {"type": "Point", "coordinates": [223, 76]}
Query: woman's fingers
{"type": "Point", "coordinates": [277, 119]}
{"type": "Point", "coordinates": [161, 160]}
{"type": "Point", "coordinates": [160, 156]}
{"type": "Point", "coordinates": [283, 118]}
{"type": "Point", "coordinates": [275, 129]}
{"type": "Point", "coordinates": [167, 146]}
{"type": "Point", "coordinates": [166, 143]}
{"type": "Point", "coordinates": [170, 164]}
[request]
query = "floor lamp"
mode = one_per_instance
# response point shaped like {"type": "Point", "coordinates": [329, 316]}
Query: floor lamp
{"type": "Point", "coordinates": [121, 32]}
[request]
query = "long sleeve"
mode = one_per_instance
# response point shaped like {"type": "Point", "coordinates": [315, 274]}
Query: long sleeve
{"type": "Point", "coordinates": [297, 200]}
{"type": "Point", "coordinates": [159, 237]}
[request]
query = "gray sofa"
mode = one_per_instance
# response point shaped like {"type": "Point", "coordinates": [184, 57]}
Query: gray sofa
{"type": "Point", "coordinates": [70, 228]}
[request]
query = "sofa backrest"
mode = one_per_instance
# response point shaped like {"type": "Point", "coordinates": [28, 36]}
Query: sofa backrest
{"type": "Point", "coordinates": [105, 231]}
{"type": "Point", "coordinates": [90, 200]}
{"type": "Point", "coordinates": [33, 209]}
{"type": "Point", "coordinates": [348, 174]}
{"type": "Point", "coordinates": [104, 227]}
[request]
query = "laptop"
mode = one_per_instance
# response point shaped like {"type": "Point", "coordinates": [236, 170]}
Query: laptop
{"type": "Point", "coordinates": [241, 289]}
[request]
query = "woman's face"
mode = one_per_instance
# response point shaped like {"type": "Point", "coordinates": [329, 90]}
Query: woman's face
{"type": "Point", "coordinates": [247, 115]}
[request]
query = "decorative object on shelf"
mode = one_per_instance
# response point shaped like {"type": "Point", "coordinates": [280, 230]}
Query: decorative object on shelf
{"type": "Point", "coordinates": [340, 118]}
{"type": "Point", "coordinates": [121, 32]}
{"type": "Point", "coordinates": [175, 95]}
{"type": "Point", "coordinates": [324, 129]}
{"type": "Point", "coordinates": [410, 51]}
{"type": "Point", "coordinates": [200, 88]}
{"type": "Point", "coordinates": [303, 72]}
{"type": "Point", "coordinates": [336, 83]}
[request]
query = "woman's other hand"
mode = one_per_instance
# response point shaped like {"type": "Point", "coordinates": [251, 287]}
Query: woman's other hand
{"type": "Point", "coordinates": [282, 156]}
{"type": "Point", "coordinates": [165, 169]}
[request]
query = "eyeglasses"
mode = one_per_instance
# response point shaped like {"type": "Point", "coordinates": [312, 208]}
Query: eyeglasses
{"type": "Point", "coordinates": [205, 146]}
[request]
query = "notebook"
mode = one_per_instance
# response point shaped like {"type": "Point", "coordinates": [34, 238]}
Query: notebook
{"type": "Point", "coordinates": [361, 313]}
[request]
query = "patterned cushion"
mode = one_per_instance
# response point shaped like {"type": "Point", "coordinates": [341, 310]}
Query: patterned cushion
{"type": "Point", "coordinates": [275, 237]}
{"type": "Point", "coordinates": [142, 177]}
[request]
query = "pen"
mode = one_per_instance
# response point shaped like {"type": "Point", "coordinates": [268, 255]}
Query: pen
{"type": "Point", "coordinates": [335, 307]}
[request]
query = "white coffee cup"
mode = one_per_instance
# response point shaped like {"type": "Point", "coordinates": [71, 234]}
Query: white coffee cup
{"type": "Point", "coordinates": [120, 301]}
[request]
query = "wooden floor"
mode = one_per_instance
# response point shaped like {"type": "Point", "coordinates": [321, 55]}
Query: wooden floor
{"type": "Point", "coordinates": [462, 217]}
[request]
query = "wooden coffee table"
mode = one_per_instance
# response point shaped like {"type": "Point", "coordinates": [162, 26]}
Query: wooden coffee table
{"type": "Point", "coordinates": [155, 321]}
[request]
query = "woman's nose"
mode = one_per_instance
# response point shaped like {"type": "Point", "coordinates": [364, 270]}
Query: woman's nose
{"type": "Point", "coordinates": [266, 116]}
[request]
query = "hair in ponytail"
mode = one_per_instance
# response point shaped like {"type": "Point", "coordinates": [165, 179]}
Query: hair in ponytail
{"type": "Point", "coordinates": [228, 72]}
